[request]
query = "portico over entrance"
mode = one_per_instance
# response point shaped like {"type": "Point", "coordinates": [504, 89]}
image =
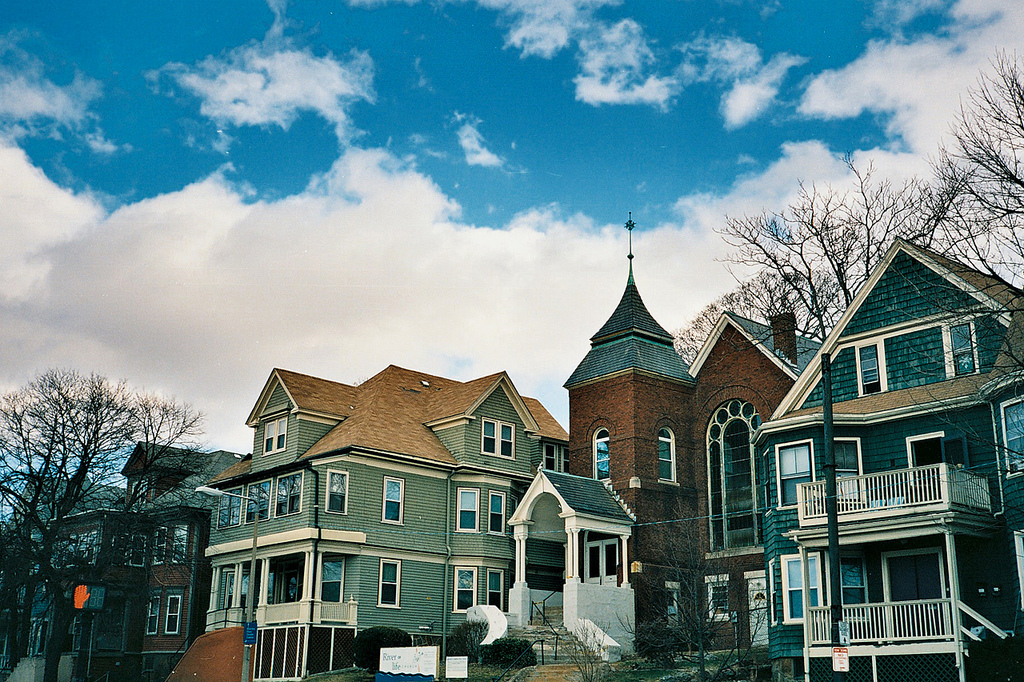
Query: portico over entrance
{"type": "Point", "coordinates": [572, 545]}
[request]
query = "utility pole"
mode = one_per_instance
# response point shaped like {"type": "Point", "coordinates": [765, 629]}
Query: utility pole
{"type": "Point", "coordinates": [832, 511]}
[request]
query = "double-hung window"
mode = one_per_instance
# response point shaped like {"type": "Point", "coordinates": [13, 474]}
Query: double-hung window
{"type": "Point", "coordinates": [854, 581]}
{"type": "Point", "coordinates": [172, 619]}
{"type": "Point", "coordinates": [160, 544]}
{"type": "Point", "coordinates": [179, 544]}
{"type": "Point", "coordinates": [666, 455]}
{"type": "Point", "coordinates": [554, 457]}
{"type": "Point", "coordinates": [718, 596]}
{"type": "Point", "coordinates": [496, 512]}
{"type": "Point", "coordinates": [230, 508]}
{"type": "Point", "coordinates": [394, 496]}
{"type": "Point", "coordinates": [794, 462]}
{"type": "Point", "coordinates": [847, 459]}
{"type": "Point", "coordinates": [337, 492]}
{"type": "Point", "coordinates": [469, 503]}
{"type": "Point", "coordinates": [289, 494]}
{"type": "Point", "coordinates": [962, 342]}
{"type": "Point", "coordinates": [390, 582]}
{"type": "Point", "coordinates": [495, 588]}
{"type": "Point", "coordinates": [153, 615]}
{"type": "Point", "coordinates": [465, 588]}
{"type": "Point", "coordinates": [331, 580]}
{"type": "Point", "coordinates": [274, 435]}
{"type": "Point", "coordinates": [793, 585]}
{"type": "Point", "coordinates": [227, 588]}
{"type": "Point", "coordinates": [870, 370]}
{"type": "Point", "coordinates": [498, 438]}
{"type": "Point", "coordinates": [1013, 436]}
{"type": "Point", "coordinates": [260, 493]}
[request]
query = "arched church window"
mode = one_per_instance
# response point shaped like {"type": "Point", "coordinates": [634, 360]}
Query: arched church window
{"type": "Point", "coordinates": [601, 455]}
{"type": "Point", "coordinates": [666, 455]}
{"type": "Point", "coordinates": [731, 476]}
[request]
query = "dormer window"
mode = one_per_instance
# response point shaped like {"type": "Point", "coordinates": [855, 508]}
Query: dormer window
{"type": "Point", "coordinates": [498, 438]}
{"type": "Point", "coordinates": [962, 342]}
{"type": "Point", "coordinates": [274, 435]}
{"type": "Point", "coordinates": [870, 370]}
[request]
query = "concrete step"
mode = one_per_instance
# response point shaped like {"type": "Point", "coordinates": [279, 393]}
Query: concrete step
{"type": "Point", "coordinates": [552, 673]}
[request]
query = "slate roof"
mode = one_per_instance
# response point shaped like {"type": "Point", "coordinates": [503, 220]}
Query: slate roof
{"type": "Point", "coordinates": [630, 339]}
{"type": "Point", "coordinates": [587, 496]}
{"type": "Point", "coordinates": [762, 334]}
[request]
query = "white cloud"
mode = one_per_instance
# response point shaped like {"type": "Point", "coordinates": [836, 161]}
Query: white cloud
{"type": "Point", "coordinates": [753, 84]}
{"type": "Point", "coordinates": [542, 28]}
{"type": "Point", "coordinates": [615, 63]}
{"type": "Point", "coordinates": [917, 84]}
{"type": "Point", "coordinates": [472, 143]}
{"type": "Point", "coordinates": [271, 83]}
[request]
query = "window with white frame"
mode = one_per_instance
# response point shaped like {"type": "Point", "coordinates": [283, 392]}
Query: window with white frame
{"type": "Point", "coordinates": [554, 458]}
{"type": "Point", "coordinates": [666, 455]}
{"type": "Point", "coordinates": [337, 492]}
{"type": "Point", "coordinates": [394, 497]}
{"type": "Point", "coordinates": [465, 588]}
{"type": "Point", "coordinates": [160, 544]}
{"type": "Point", "coordinates": [602, 455]}
{"type": "Point", "coordinates": [794, 466]}
{"type": "Point", "coordinates": [772, 593]}
{"type": "Point", "coordinates": [961, 341]}
{"type": "Point", "coordinates": [496, 512]}
{"type": "Point", "coordinates": [389, 584]}
{"type": "Point", "coordinates": [673, 598]}
{"type": "Point", "coordinates": [230, 508]}
{"type": "Point", "coordinates": [274, 435]}
{"type": "Point", "coordinates": [226, 594]}
{"type": "Point", "coordinates": [847, 454]}
{"type": "Point", "coordinates": [243, 588]}
{"type": "Point", "coordinates": [498, 438]}
{"type": "Point", "coordinates": [260, 494]}
{"type": "Point", "coordinates": [136, 550]}
{"type": "Point", "coordinates": [469, 504]}
{"type": "Point", "coordinates": [1018, 546]}
{"type": "Point", "coordinates": [718, 596]}
{"type": "Point", "coordinates": [289, 494]}
{"type": "Point", "coordinates": [732, 503]}
{"type": "Point", "coordinates": [853, 579]}
{"type": "Point", "coordinates": [172, 619]}
{"type": "Point", "coordinates": [792, 586]}
{"type": "Point", "coordinates": [869, 369]}
{"type": "Point", "coordinates": [153, 615]}
{"type": "Point", "coordinates": [1013, 436]}
{"type": "Point", "coordinates": [179, 544]}
{"type": "Point", "coordinates": [332, 578]}
{"type": "Point", "coordinates": [496, 588]}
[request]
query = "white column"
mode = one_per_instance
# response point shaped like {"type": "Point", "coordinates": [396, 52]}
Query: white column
{"type": "Point", "coordinates": [954, 597]}
{"type": "Point", "coordinates": [261, 600]}
{"type": "Point", "coordinates": [625, 560]}
{"type": "Point", "coordinates": [236, 587]}
{"type": "Point", "coordinates": [572, 569]}
{"type": "Point", "coordinates": [520, 535]}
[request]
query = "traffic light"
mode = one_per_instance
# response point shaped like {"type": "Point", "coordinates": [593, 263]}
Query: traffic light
{"type": "Point", "coordinates": [88, 597]}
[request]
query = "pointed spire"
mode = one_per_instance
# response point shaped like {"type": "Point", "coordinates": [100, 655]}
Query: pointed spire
{"type": "Point", "coordinates": [630, 225]}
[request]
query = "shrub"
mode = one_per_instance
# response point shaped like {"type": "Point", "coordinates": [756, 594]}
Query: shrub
{"type": "Point", "coordinates": [657, 642]}
{"type": "Point", "coordinates": [503, 652]}
{"type": "Point", "coordinates": [465, 638]}
{"type": "Point", "coordinates": [368, 643]}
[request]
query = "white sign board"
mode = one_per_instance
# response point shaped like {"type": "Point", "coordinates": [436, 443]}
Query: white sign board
{"type": "Point", "coordinates": [456, 667]}
{"type": "Point", "coordinates": [840, 659]}
{"type": "Point", "coordinates": [410, 660]}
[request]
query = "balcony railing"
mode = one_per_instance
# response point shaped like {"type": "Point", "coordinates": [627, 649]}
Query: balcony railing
{"type": "Point", "coordinates": [224, 618]}
{"type": "Point", "coordinates": [939, 486]}
{"type": "Point", "coordinates": [335, 612]}
{"type": "Point", "coordinates": [289, 612]}
{"type": "Point", "coordinates": [902, 621]}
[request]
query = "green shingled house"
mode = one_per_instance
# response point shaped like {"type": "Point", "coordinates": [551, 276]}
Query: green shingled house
{"type": "Point", "coordinates": [927, 419]}
{"type": "Point", "coordinates": [385, 503]}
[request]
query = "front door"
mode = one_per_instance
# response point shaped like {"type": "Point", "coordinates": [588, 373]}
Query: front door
{"type": "Point", "coordinates": [603, 562]}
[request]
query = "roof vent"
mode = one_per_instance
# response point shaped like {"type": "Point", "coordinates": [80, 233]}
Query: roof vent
{"type": "Point", "coordinates": [425, 383]}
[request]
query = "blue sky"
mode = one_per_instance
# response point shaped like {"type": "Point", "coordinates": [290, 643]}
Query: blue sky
{"type": "Point", "coordinates": [194, 193]}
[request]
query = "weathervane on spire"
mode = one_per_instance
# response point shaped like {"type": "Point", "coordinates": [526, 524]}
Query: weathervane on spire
{"type": "Point", "coordinates": [629, 227]}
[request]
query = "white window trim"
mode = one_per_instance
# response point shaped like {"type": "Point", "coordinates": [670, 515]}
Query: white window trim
{"type": "Point", "coordinates": [815, 571]}
{"type": "Point", "coordinates": [947, 347]}
{"type": "Point", "coordinates": [276, 486]}
{"type": "Point", "coordinates": [593, 451]}
{"type": "Point", "coordinates": [398, 583]}
{"type": "Point", "coordinates": [711, 582]}
{"type": "Point", "coordinates": [276, 421]}
{"type": "Point", "coordinates": [172, 558]}
{"type": "Point", "coordinates": [1006, 445]}
{"type": "Point", "coordinates": [863, 573]}
{"type": "Point", "coordinates": [158, 598]}
{"type": "Point", "coordinates": [327, 492]}
{"type": "Point", "coordinates": [492, 494]}
{"type": "Point", "coordinates": [919, 437]}
{"type": "Point", "coordinates": [248, 493]}
{"type": "Point", "coordinates": [883, 381]}
{"type": "Point", "coordinates": [176, 613]}
{"type": "Point", "coordinates": [497, 438]}
{"type": "Point", "coordinates": [401, 501]}
{"type": "Point", "coordinates": [559, 458]}
{"type": "Point", "coordinates": [913, 552]}
{"type": "Point", "coordinates": [1018, 546]}
{"type": "Point", "coordinates": [501, 588]}
{"type": "Point", "coordinates": [230, 500]}
{"type": "Point", "coordinates": [459, 510]}
{"type": "Point", "coordinates": [672, 454]}
{"type": "Point", "coordinates": [455, 588]}
{"type": "Point", "coordinates": [860, 454]}
{"type": "Point", "coordinates": [320, 572]}
{"type": "Point", "coordinates": [771, 592]}
{"type": "Point", "coordinates": [778, 470]}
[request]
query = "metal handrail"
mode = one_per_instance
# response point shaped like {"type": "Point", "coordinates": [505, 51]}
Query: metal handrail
{"type": "Point", "coordinates": [543, 607]}
{"type": "Point", "coordinates": [523, 653]}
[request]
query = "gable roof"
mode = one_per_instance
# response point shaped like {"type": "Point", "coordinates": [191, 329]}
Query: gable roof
{"type": "Point", "coordinates": [988, 291]}
{"type": "Point", "coordinates": [587, 496]}
{"type": "Point", "coordinates": [630, 339]}
{"type": "Point", "coordinates": [761, 337]}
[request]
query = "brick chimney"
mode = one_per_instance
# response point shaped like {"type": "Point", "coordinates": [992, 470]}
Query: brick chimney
{"type": "Point", "coordinates": [784, 334]}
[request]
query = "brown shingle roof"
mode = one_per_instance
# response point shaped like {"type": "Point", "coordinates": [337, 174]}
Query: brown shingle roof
{"type": "Point", "coordinates": [318, 395]}
{"type": "Point", "coordinates": [951, 389]}
{"type": "Point", "coordinates": [547, 426]}
{"type": "Point", "coordinates": [237, 469]}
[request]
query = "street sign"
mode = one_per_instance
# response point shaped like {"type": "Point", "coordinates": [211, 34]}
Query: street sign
{"type": "Point", "coordinates": [456, 667]}
{"type": "Point", "coordinates": [844, 633]}
{"type": "Point", "coordinates": [840, 659]}
{"type": "Point", "coordinates": [249, 633]}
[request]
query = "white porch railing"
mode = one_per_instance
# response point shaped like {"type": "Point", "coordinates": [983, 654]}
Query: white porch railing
{"type": "Point", "coordinates": [224, 618]}
{"type": "Point", "coordinates": [936, 484]}
{"type": "Point", "coordinates": [289, 612]}
{"type": "Point", "coordinates": [902, 621]}
{"type": "Point", "coordinates": [334, 612]}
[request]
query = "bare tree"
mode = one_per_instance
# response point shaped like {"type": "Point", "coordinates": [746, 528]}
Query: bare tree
{"type": "Point", "coordinates": [824, 246]}
{"type": "Point", "coordinates": [64, 439]}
